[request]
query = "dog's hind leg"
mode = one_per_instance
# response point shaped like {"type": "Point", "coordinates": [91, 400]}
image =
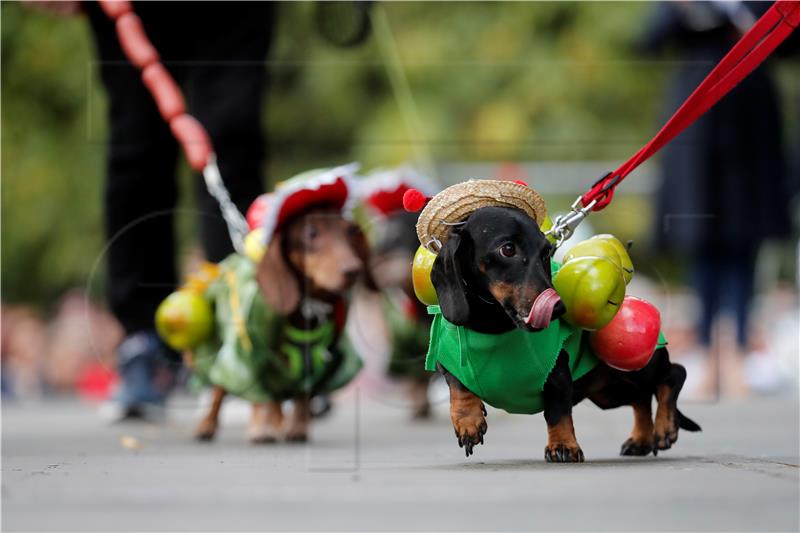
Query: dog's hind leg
{"type": "Point", "coordinates": [668, 418]}
{"type": "Point", "coordinates": [562, 446]}
{"type": "Point", "coordinates": [207, 428]}
{"type": "Point", "coordinates": [641, 440]}
{"type": "Point", "coordinates": [265, 423]}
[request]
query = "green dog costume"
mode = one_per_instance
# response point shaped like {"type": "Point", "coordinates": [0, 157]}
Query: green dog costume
{"type": "Point", "coordinates": [508, 371]}
{"type": "Point", "coordinates": [256, 354]}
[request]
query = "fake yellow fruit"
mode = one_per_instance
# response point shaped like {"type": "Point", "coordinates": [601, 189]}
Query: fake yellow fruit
{"type": "Point", "coordinates": [547, 224]}
{"type": "Point", "coordinates": [421, 276]}
{"type": "Point", "coordinates": [184, 320]}
{"type": "Point", "coordinates": [607, 246]}
{"type": "Point", "coordinates": [592, 289]}
{"type": "Point", "coordinates": [253, 245]}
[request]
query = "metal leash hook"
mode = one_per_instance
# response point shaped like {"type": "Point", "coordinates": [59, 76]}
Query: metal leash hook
{"type": "Point", "coordinates": [564, 225]}
{"type": "Point", "coordinates": [234, 220]}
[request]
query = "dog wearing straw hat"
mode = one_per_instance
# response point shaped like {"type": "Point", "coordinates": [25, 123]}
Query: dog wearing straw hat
{"type": "Point", "coordinates": [499, 335]}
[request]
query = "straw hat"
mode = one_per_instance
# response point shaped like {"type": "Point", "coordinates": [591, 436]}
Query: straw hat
{"type": "Point", "coordinates": [457, 202]}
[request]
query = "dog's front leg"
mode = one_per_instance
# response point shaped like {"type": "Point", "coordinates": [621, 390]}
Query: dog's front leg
{"type": "Point", "coordinates": [301, 418]}
{"type": "Point", "coordinates": [266, 421]}
{"type": "Point", "coordinates": [467, 413]}
{"type": "Point", "coordinates": [207, 428]}
{"type": "Point", "coordinates": [562, 446]}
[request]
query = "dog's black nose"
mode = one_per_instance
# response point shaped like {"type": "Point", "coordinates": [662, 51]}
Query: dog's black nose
{"type": "Point", "coordinates": [558, 310]}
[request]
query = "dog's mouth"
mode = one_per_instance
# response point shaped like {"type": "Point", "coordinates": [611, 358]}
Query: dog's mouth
{"type": "Point", "coordinates": [543, 309]}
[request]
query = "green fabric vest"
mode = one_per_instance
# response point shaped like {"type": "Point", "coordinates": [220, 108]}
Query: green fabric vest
{"type": "Point", "coordinates": [508, 370]}
{"type": "Point", "coordinates": [254, 353]}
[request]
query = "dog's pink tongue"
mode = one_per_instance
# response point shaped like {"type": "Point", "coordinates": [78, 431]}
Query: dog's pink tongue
{"type": "Point", "coordinates": [542, 309]}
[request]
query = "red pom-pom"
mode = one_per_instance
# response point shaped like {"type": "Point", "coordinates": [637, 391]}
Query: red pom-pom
{"type": "Point", "coordinates": [413, 200]}
{"type": "Point", "coordinates": [520, 182]}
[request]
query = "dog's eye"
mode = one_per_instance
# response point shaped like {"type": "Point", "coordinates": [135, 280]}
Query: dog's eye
{"type": "Point", "coordinates": [508, 250]}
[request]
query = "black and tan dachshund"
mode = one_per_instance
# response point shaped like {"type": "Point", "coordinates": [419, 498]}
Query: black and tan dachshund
{"type": "Point", "coordinates": [487, 276]}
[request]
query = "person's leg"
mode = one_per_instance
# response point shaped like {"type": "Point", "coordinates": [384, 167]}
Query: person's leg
{"type": "Point", "coordinates": [140, 194]}
{"type": "Point", "coordinates": [706, 285]}
{"type": "Point", "coordinates": [742, 272]}
{"type": "Point", "coordinates": [736, 276]}
{"type": "Point", "coordinates": [226, 90]}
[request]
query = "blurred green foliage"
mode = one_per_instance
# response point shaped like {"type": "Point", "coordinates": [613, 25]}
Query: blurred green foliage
{"type": "Point", "coordinates": [488, 81]}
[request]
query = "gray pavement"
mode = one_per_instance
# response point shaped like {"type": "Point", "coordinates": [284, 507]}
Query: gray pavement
{"type": "Point", "coordinates": [368, 468]}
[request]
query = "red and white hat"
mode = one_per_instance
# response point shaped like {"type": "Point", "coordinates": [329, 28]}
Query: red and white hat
{"type": "Point", "coordinates": [326, 186]}
{"type": "Point", "coordinates": [383, 189]}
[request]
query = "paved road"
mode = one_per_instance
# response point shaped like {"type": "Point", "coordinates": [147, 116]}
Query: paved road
{"type": "Point", "coordinates": [63, 470]}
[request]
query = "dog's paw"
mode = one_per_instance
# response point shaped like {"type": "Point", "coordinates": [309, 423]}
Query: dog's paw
{"type": "Point", "coordinates": [563, 453]}
{"type": "Point", "coordinates": [665, 432]}
{"type": "Point", "coordinates": [470, 430]}
{"type": "Point", "coordinates": [664, 438]}
{"type": "Point", "coordinates": [297, 434]}
{"type": "Point", "coordinates": [262, 434]}
{"type": "Point", "coordinates": [205, 430]}
{"type": "Point", "coordinates": [637, 447]}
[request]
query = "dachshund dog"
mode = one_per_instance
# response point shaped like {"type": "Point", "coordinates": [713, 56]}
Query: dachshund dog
{"type": "Point", "coordinates": [306, 272]}
{"type": "Point", "coordinates": [487, 275]}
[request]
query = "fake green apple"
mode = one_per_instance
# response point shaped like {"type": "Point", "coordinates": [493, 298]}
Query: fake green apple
{"type": "Point", "coordinates": [421, 276]}
{"type": "Point", "coordinates": [184, 319]}
{"type": "Point", "coordinates": [592, 289]}
{"type": "Point", "coordinates": [607, 246]}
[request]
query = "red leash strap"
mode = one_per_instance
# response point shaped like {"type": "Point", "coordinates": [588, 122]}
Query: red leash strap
{"type": "Point", "coordinates": [751, 50]}
{"type": "Point", "coordinates": [140, 51]}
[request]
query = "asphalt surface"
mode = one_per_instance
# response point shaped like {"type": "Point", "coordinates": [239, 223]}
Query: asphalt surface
{"type": "Point", "coordinates": [369, 468]}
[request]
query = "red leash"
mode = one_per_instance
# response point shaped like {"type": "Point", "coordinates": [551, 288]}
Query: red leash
{"type": "Point", "coordinates": [751, 50]}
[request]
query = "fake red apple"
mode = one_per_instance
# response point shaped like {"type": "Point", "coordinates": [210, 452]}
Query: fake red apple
{"type": "Point", "coordinates": [629, 340]}
{"type": "Point", "coordinates": [184, 319]}
{"type": "Point", "coordinates": [607, 246]}
{"type": "Point", "coordinates": [592, 289]}
{"type": "Point", "coordinates": [421, 276]}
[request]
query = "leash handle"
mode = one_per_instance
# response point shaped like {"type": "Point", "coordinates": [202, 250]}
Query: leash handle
{"type": "Point", "coordinates": [188, 131]}
{"type": "Point", "coordinates": [750, 51]}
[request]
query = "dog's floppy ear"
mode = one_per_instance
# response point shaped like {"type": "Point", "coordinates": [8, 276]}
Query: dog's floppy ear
{"type": "Point", "coordinates": [361, 248]}
{"type": "Point", "coordinates": [448, 280]}
{"type": "Point", "coordinates": [277, 281]}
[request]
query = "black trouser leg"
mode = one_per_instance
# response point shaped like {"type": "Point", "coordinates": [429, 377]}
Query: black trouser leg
{"type": "Point", "coordinates": [226, 88]}
{"type": "Point", "coordinates": [140, 191]}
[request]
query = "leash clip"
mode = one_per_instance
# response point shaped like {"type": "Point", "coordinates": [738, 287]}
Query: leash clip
{"type": "Point", "coordinates": [564, 225]}
{"type": "Point", "coordinates": [234, 220]}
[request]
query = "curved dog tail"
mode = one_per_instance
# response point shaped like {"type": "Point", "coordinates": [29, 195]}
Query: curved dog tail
{"type": "Point", "coordinates": [684, 422]}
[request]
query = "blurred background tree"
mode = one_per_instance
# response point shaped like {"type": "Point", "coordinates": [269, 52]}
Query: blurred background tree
{"type": "Point", "coordinates": [488, 82]}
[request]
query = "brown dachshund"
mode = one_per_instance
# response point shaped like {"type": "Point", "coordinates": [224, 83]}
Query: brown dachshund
{"type": "Point", "coordinates": [305, 275]}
